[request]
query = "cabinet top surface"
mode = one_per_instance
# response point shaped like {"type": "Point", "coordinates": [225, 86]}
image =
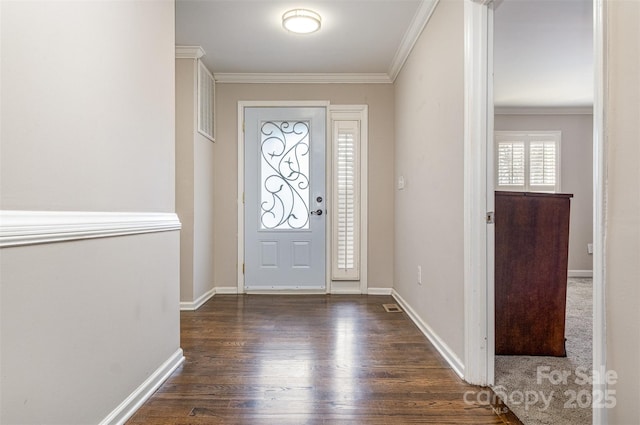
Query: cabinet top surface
{"type": "Point", "coordinates": [538, 194]}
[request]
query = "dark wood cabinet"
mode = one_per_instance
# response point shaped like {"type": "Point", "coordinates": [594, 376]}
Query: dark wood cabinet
{"type": "Point", "coordinates": [531, 253]}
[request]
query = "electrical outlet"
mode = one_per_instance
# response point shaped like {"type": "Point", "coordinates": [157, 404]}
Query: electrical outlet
{"type": "Point", "coordinates": [419, 275]}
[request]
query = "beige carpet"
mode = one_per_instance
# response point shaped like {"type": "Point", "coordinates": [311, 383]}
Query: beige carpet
{"type": "Point", "coordinates": [554, 390]}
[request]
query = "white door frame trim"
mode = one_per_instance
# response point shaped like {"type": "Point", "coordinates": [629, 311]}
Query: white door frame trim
{"type": "Point", "coordinates": [240, 193]}
{"type": "Point", "coordinates": [478, 288]}
{"type": "Point", "coordinates": [479, 313]}
{"type": "Point", "coordinates": [599, 210]}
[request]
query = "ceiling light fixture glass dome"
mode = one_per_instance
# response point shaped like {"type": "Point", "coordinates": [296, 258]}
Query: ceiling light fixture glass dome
{"type": "Point", "coordinates": [301, 21]}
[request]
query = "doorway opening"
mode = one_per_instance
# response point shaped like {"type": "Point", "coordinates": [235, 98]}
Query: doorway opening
{"type": "Point", "coordinates": [479, 283]}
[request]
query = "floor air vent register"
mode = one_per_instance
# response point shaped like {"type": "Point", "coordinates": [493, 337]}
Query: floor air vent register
{"type": "Point", "coordinates": [392, 308]}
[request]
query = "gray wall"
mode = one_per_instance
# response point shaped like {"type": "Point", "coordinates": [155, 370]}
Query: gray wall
{"type": "Point", "coordinates": [379, 97]}
{"type": "Point", "coordinates": [622, 136]}
{"type": "Point", "coordinates": [577, 173]}
{"type": "Point", "coordinates": [195, 190]}
{"type": "Point", "coordinates": [87, 125]}
{"type": "Point", "coordinates": [429, 136]}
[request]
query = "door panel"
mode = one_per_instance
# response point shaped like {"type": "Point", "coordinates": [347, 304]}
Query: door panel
{"type": "Point", "coordinates": [284, 215]}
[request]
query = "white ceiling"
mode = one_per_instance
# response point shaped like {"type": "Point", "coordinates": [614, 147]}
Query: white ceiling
{"type": "Point", "coordinates": [543, 53]}
{"type": "Point", "coordinates": [246, 36]}
{"type": "Point", "coordinates": [543, 48]}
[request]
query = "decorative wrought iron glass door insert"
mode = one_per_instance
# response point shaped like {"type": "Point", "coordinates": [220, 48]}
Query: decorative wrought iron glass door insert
{"type": "Point", "coordinates": [284, 166]}
{"type": "Point", "coordinates": [284, 198]}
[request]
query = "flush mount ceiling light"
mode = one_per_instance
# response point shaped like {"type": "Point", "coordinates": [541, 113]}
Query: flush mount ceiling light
{"type": "Point", "coordinates": [301, 21]}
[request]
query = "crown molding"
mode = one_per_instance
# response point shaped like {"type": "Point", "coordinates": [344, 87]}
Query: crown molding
{"type": "Point", "coordinates": [422, 16]}
{"type": "Point", "coordinates": [18, 228]}
{"type": "Point", "coordinates": [543, 110]}
{"type": "Point", "coordinates": [302, 78]}
{"type": "Point", "coordinates": [189, 52]}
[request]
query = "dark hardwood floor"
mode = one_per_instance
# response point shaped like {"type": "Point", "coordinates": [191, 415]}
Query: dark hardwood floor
{"type": "Point", "coordinates": [335, 359]}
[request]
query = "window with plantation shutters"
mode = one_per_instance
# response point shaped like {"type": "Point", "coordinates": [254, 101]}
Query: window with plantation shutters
{"type": "Point", "coordinates": [346, 200]}
{"type": "Point", "coordinates": [527, 161]}
{"type": "Point", "coordinates": [206, 102]}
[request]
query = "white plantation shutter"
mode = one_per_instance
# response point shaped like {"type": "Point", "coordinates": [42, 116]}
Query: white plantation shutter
{"type": "Point", "coordinates": [528, 161]}
{"type": "Point", "coordinates": [511, 164]}
{"type": "Point", "coordinates": [542, 164]}
{"type": "Point", "coordinates": [346, 201]}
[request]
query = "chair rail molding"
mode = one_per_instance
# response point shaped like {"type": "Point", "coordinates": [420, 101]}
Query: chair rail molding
{"type": "Point", "coordinates": [18, 228]}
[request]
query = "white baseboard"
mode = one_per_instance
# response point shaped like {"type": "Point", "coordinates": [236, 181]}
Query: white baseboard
{"type": "Point", "coordinates": [580, 273]}
{"type": "Point", "coordinates": [131, 404]}
{"type": "Point", "coordinates": [379, 291]}
{"type": "Point", "coordinates": [285, 292]}
{"type": "Point", "coordinates": [194, 305]}
{"type": "Point", "coordinates": [443, 349]}
{"type": "Point", "coordinates": [226, 290]}
{"type": "Point", "coordinates": [345, 291]}
{"type": "Point", "coordinates": [345, 287]}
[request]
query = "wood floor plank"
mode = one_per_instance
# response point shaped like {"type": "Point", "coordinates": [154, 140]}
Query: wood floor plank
{"type": "Point", "coordinates": [269, 359]}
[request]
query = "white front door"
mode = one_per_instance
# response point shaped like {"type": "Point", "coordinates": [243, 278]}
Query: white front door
{"type": "Point", "coordinates": [284, 208]}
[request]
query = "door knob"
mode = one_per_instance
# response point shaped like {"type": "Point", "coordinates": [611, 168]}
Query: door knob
{"type": "Point", "coordinates": [316, 212]}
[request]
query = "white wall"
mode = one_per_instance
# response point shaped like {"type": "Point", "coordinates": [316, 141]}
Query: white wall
{"type": "Point", "coordinates": [84, 324]}
{"type": "Point", "coordinates": [84, 83]}
{"type": "Point", "coordinates": [87, 125]}
{"type": "Point", "coordinates": [622, 251]}
{"type": "Point", "coordinates": [577, 173]}
{"type": "Point", "coordinates": [429, 154]}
